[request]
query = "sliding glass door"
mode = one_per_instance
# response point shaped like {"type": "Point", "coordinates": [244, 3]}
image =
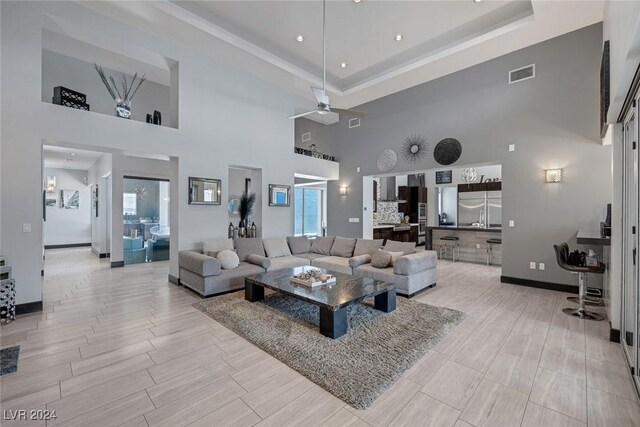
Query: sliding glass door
{"type": "Point", "coordinates": [309, 208]}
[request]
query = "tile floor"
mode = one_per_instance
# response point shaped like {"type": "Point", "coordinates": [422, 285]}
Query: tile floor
{"type": "Point", "coordinates": [125, 347]}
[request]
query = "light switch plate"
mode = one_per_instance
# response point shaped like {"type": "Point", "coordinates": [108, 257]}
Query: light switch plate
{"type": "Point", "coordinates": [512, 223]}
{"type": "Point", "coordinates": [512, 147]}
{"type": "Point", "coordinates": [26, 228]}
{"type": "Point", "coordinates": [532, 265]}
{"type": "Point", "coordinates": [358, 169]}
{"type": "Point", "coordinates": [354, 219]}
{"type": "Point", "coordinates": [541, 266]}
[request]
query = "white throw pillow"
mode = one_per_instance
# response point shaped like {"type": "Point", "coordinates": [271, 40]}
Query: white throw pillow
{"type": "Point", "coordinates": [228, 259]}
{"type": "Point", "coordinates": [394, 257]}
{"type": "Point", "coordinates": [212, 247]}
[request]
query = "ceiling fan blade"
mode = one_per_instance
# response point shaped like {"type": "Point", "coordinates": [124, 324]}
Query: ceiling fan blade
{"type": "Point", "coordinates": [352, 113]}
{"type": "Point", "coordinates": [302, 114]}
{"type": "Point", "coordinates": [320, 95]}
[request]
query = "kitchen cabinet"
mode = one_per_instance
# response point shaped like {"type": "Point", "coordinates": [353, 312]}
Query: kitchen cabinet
{"type": "Point", "coordinates": [388, 233]}
{"type": "Point", "coordinates": [375, 196]}
{"type": "Point", "coordinates": [494, 186]}
{"type": "Point", "coordinates": [480, 186]}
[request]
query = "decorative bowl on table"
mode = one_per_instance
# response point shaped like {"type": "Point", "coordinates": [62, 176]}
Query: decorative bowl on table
{"type": "Point", "coordinates": [313, 278]}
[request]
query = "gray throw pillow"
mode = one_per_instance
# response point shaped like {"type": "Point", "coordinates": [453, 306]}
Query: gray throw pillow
{"type": "Point", "coordinates": [276, 247]}
{"type": "Point", "coordinates": [359, 260]}
{"type": "Point", "coordinates": [322, 245]}
{"type": "Point", "coordinates": [404, 247]}
{"type": "Point", "coordinates": [246, 247]}
{"type": "Point", "coordinates": [381, 259]}
{"type": "Point", "coordinates": [343, 247]}
{"type": "Point", "coordinates": [394, 257]}
{"type": "Point", "coordinates": [299, 244]}
{"type": "Point", "coordinates": [367, 246]}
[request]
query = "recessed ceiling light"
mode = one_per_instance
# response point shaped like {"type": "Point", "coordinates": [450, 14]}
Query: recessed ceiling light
{"type": "Point", "coordinates": [343, 65]}
{"type": "Point", "coordinates": [398, 37]}
{"type": "Point", "coordinates": [300, 38]}
{"type": "Point", "coordinates": [357, 1]}
{"type": "Point", "coordinates": [73, 154]}
{"type": "Point", "coordinates": [477, 1]}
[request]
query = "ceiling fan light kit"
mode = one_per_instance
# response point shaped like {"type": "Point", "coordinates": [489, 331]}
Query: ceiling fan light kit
{"type": "Point", "coordinates": [324, 103]}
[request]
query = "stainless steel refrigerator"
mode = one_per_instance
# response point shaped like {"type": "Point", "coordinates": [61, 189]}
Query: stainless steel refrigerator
{"type": "Point", "coordinates": [482, 209]}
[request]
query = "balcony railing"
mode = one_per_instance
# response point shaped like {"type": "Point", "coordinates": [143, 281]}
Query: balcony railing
{"type": "Point", "coordinates": [313, 153]}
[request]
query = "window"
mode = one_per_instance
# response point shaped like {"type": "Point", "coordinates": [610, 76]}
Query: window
{"type": "Point", "coordinates": [309, 211]}
{"type": "Point", "coordinates": [129, 204]}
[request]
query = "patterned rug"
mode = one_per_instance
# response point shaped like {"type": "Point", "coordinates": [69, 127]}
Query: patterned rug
{"type": "Point", "coordinates": [357, 367]}
{"type": "Point", "coordinates": [9, 360]}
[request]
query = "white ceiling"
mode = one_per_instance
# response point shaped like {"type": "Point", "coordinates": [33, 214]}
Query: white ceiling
{"type": "Point", "coordinates": [69, 158]}
{"type": "Point", "coordinates": [440, 37]}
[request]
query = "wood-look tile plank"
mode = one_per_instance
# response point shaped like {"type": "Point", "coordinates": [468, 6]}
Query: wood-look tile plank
{"type": "Point", "coordinates": [344, 418]}
{"type": "Point", "coordinates": [539, 416]}
{"type": "Point", "coordinates": [387, 406]}
{"type": "Point", "coordinates": [453, 384]}
{"type": "Point", "coordinates": [115, 413]}
{"type": "Point", "coordinates": [234, 414]}
{"type": "Point", "coordinates": [311, 409]}
{"type": "Point", "coordinates": [426, 367]}
{"type": "Point", "coordinates": [425, 411]}
{"type": "Point", "coordinates": [561, 393]}
{"type": "Point", "coordinates": [610, 377]}
{"type": "Point", "coordinates": [607, 410]}
{"type": "Point", "coordinates": [494, 405]}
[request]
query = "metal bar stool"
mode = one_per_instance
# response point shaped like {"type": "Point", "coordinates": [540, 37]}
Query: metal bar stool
{"type": "Point", "coordinates": [562, 255]}
{"type": "Point", "coordinates": [455, 245]}
{"type": "Point", "coordinates": [490, 243]}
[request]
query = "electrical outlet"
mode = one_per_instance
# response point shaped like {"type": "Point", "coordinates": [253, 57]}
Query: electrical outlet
{"type": "Point", "coordinates": [358, 169]}
{"type": "Point", "coordinates": [541, 266]}
{"type": "Point", "coordinates": [26, 228]}
{"type": "Point", "coordinates": [512, 223]}
{"type": "Point", "coordinates": [354, 219]}
{"type": "Point", "coordinates": [512, 147]}
{"type": "Point", "coordinates": [532, 265]}
{"type": "Point", "coordinates": [477, 245]}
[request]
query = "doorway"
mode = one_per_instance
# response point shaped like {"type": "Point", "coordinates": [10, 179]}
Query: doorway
{"type": "Point", "coordinates": [145, 220]}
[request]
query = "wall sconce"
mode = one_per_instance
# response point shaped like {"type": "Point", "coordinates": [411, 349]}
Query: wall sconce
{"type": "Point", "coordinates": [51, 184]}
{"type": "Point", "coordinates": [552, 175]}
{"type": "Point", "coordinates": [343, 191]}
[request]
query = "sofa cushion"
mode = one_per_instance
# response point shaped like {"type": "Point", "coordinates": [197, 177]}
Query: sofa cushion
{"type": "Point", "coordinates": [212, 247]}
{"type": "Point", "coordinates": [259, 260]}
{"type": "Point", "coordinates": [359, 260]}
{"type": "Point", "coordinates": [246, 247]}
{"type": "Point", "coordinates": [290, 261]}
{"type": "Point", "coordinates": [367, 246]}
{"type": "Point", "coordinates": [310, 256]}
{"type": "Point", "coordinates": [343, 247]}
{"type": "Point", "coordinates": [228, 259]}
{"type": "Point", "coordinates": [199, 264]}
{"type": "Point", "coordinates": [381, 259]}
{"type": "Point", "coordinates": [276, 247]}
{"type": "Point", "coordinates": [322, 245]}
{"type": "Point", "coordinates": [405, 285]}
{"type": "Point", "coordinates": [406, 247]}
{"type": "Point", "coordinates": [299, 244]}
{"type": "Point", "coordinates": [333, 263]}
{"type": "Point", "coordinates": [414, 263]}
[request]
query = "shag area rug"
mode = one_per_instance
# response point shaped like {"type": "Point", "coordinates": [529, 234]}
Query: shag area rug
{"type": "Point", "coordinates": [357, 367]}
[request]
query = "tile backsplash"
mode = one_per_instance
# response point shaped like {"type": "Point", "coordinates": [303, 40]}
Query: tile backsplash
{"type": "Point", "coordinates": [387, 213]}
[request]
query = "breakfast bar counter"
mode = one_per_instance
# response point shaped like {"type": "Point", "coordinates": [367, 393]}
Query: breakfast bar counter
{"type": "Point", "coordinates": [472, 242]}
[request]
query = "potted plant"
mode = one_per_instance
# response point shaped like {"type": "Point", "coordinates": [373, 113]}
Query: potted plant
{"type": "Point", "coordinates": [245, 210]}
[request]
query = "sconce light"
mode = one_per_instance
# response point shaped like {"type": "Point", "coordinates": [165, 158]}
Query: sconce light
{"type": "Point", "coordinates": [552, 175]}
{"type": "Point", "coordinates": [51, 184]}
{"type": "Point", "coordinates": [343, 191]}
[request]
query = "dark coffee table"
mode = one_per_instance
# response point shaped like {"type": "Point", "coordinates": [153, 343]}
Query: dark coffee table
{"type": "Point", "coordinates": [333, 299]}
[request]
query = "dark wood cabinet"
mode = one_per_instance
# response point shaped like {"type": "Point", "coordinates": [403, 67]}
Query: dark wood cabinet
{"type": "Point", "coordinates": [494, 186]}
{"type": "Point", "coordinates": [480, 186]}
{"type": "Point", "coordinates": [388, 233]}
{"type": "Point", "coordinates": [375, 196]}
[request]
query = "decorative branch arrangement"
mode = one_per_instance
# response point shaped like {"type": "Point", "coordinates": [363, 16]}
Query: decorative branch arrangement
{"type": "Point", "coordinates": [123, 94]}
{"type": "Point", "coordinates": [246, 206]}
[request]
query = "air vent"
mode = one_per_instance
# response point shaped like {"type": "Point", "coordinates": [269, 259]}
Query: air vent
{"type": "Point", "coordinates": [354, 123]}
{"type": "Point", "coordinates": [524, 73]}
{"type": "Point", "coordinates": [306, 137]}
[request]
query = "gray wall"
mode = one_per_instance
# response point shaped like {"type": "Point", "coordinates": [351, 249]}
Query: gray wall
{"type": "Point", "coordinates": [62, 70]}
{"type": "Point", "coordinates": [552, 119]}
{"type": "Point", "coordinates": [148, 207]}
{"type": "Point", "coordinates": [318, 136]}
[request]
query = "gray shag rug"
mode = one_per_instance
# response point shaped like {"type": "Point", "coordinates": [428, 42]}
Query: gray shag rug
{"type": "Point", "coordinates": [357, 367]}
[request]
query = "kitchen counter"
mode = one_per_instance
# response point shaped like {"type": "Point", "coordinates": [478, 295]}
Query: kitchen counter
{"type": "Point", "coordinates": [453, 227]}
{"type": "Point", "coordinates": [472, 242]}
{"type": "Point", "coordinates": [378, 227]}
{"type": "Point", "coordinates": [588, 237]}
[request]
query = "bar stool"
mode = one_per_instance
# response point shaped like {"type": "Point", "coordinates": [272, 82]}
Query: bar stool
{"type": "Point", "coordinates": [455, 245]}
{"type": "Point", "coordinates": [490, 243]}
{"type": "Point", "coordinates": [562, 255]}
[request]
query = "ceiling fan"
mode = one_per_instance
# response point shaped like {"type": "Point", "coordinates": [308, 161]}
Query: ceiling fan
{"type": "Point", "coordinates": [324, 103]}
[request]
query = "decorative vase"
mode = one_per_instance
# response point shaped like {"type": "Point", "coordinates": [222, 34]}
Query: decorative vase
{"type": "Point", "coordinates": [230, 231]}
{"type": "Point", "coordinates": [254, 230]}
{"type": "Point", "coordinates": [149, 119]}
{"type": "Point", "coordinates": [123, 109]}
{"type": "Point", "coordinates": [241, 229]}
{"type": "Point", "coordinates": [157, 118]}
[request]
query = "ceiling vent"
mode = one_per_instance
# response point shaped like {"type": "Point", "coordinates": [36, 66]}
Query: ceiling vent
{"type": "Point", "coordinates": [354, 123]}
{"type": "Point", "coordinates": [524, 73]}
{"type": "Point", "coordinates": [306, 137]}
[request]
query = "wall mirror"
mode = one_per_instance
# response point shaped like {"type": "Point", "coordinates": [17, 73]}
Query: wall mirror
{"type": "Point", "coordinates": [204, 191]}
{"type": "Point", "coordinates": [234, 206]}
{"type": "Point", "coordinates": [279, 195]}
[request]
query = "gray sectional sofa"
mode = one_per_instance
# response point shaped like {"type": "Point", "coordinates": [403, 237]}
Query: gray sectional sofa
{"type": "Point", "coordinates": [410, 271]}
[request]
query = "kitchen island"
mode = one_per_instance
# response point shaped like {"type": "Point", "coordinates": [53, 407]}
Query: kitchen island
{"type": "Point", "coordinates": [473, 242]}
{"type": "Point", "coordinates": [397, 232]}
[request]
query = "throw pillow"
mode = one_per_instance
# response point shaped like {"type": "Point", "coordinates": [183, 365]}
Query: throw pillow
{"type": "Point", "coordinates": [299, 244]}
{"type": "Point", "coordinates": [322, 245]}
{"type": "Point", "coordinates": [228, 259]}
{"type": "Point", "coordinates": [212, 247]}
{"type": "Point", "coordinates": [381, 259]}
{"type": "Point", "coordinates": [367, 246]}
{"type": "Point", "coordinates": [343, 247]}
{"type": "Point", "coordinates": [276, 247]}
{"type": "Point", "coordinates": [394, 257]}
{"type": "Point", "coordinates": [405, 247]}
{"type": "Point", "coordinates": [246, 247]}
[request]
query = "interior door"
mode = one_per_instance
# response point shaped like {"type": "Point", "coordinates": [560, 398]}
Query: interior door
{"type": "Point", "coordinates": [630, 294]}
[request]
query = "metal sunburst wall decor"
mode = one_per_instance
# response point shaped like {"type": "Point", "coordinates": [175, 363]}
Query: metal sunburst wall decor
{"type": "Point", "coordinates": [414, 148]}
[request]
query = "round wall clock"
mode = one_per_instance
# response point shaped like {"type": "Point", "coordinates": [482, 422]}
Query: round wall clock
{"type": "Point", "coordinates": [447, 151]}
{"type": "Point", "coordinates": [387, 160]}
